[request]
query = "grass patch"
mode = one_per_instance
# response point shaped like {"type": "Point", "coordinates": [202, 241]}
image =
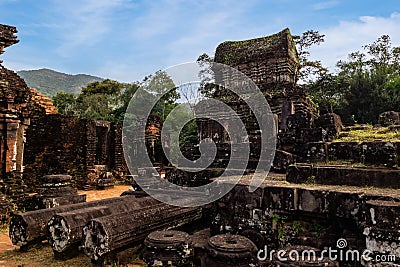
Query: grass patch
{"type": "Point", "coordinates": [370, 134]}
{"type": "Point", "coordinates": [348, 163]}
{"type": "Point", "coordinates": [40, 255]}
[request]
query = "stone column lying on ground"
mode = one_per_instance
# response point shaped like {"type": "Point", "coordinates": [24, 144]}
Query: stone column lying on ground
{"type": "Point", "coordinates": [65, 229]}
{"type": "Point", "coordinates": [30, 227]}
{"type": "Point", "coordinates": [106, 234]}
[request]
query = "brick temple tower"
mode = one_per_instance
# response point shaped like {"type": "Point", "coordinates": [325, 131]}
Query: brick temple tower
{"type": "Point", "coordinates": [272, 63]}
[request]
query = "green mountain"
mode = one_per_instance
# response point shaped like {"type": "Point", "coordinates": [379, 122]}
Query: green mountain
{"type": "Point", "coordinates": [49, 82]}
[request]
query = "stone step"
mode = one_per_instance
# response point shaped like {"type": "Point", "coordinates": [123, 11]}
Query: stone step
{"type": "Point", "coordinates": [343, 175]}
{"type": "Point", "coordinates": [355, 127]}
{"type": "Point", "coordinates": [376, 153]}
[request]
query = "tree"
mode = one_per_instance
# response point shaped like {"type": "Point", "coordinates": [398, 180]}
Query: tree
{"type": "Point", "coordinates": [106, 100]}
{"type": "Point", "coordinates": [98, 100]}
{"type": "Point", "coordinates": [309, 69]}
{"type": "Point", "coordinates": [96, 107]}
{"type": "Point", "coordinates": [373, 80]}
{"type": "Point", "coordinates": [106, 87]}
{"type": "Point", "coordinates": [123, 99]}
{"type": "Point", "coordinates": [327, 93]}
{"type": "Point", "coordinates": [160, 84]}
{"type": "Point", "coordinates": [187, 136]}
{"type": "Point", "coordinates": [65, 103]}
{"type": "Point", "coordinates": [206, 75]}
{"type": "Point", "coordinates": [367, 84]}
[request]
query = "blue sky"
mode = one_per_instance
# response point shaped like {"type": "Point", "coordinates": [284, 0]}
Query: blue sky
{"type": "Point", "coordinates": [126, 40]}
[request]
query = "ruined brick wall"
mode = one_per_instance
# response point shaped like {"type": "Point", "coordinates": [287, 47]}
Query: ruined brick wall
{"type": "Point", "coordinates": [15, 109]}
{"type": "Point", "coordinates": [43, 101]}
{"type": "Point", "coordinates": [118, 161]}
{"type": "Point", "coordinates": [98, 137]}
{"type": "Point", "coordinates": [55, 145]}
{"type": "Point", "coordinates": [149, 142]}
{"type": "Point", "coordinates": [104, 150]}
{"type": "Point", "coordinates": [73, 156]}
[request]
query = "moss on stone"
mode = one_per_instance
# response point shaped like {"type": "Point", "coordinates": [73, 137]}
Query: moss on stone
{"type": "Point", "coordinates": [276, 45]}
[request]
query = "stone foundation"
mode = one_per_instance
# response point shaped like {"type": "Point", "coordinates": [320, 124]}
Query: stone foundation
{"type": "Point", "coordinates": [279, 215]}
{"type": "Point", "coordinates": [343, 175]}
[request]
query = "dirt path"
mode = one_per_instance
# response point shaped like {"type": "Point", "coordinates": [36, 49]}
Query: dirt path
{"type": "Point", "coordinates": [108, 193]}
{"type": "Point", "coordinates": [5, 243]}
{"type": "Point", "coordinates": [42, 255]}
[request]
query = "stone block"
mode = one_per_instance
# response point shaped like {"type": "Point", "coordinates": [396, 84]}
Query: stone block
{"type": "Point", "coordinates": [389, 118]}
{"type": "Point", "coordinates": [343, 204]}
{"type": "Point", "coordinates": [280, 198]}
{"type": "Point", "coordinates": [51, 202]}
{"type": "Point", "coordinates": [288, 138]}
{"type": "Point", "coordinates": [343, 175]}
{"type": "Point", "coordinates": [331, 122]}
{"type": "Point", "coordinates": [308, 135]}
{"type": "Point", "coordinates": [106, 180]}
{"type": "Point", "coordinates": [299, 120]}
{"type": "Point", "coordinates": [383, 241]}
{"type": "Point", "coordinates": [312, 152]}
{"type": "Point", "coordinates": [253, 200]}
{"type": "Point", "coordinates": [379, 153]}
{"type": "Point", "coordinates": [298, 173]}
{"type": "Point", "coordinates": [311, 200]}
{"type": "Point", "coordinates": [344, 151]}
{"type": "Point", "coordinates": [229, 250]}
{"type": "Point", "coordinates": [168, 247]}
{"type": "Point", "coordinates": [383, 214]}
{"type": "Point", "coordinates": [282, 160]}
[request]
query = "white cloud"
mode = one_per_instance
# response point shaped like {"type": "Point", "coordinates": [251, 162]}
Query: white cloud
{"type": "Point", "coordinates": [86, 23]}
{"type": "Point", "coordinates": [350, 36]}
